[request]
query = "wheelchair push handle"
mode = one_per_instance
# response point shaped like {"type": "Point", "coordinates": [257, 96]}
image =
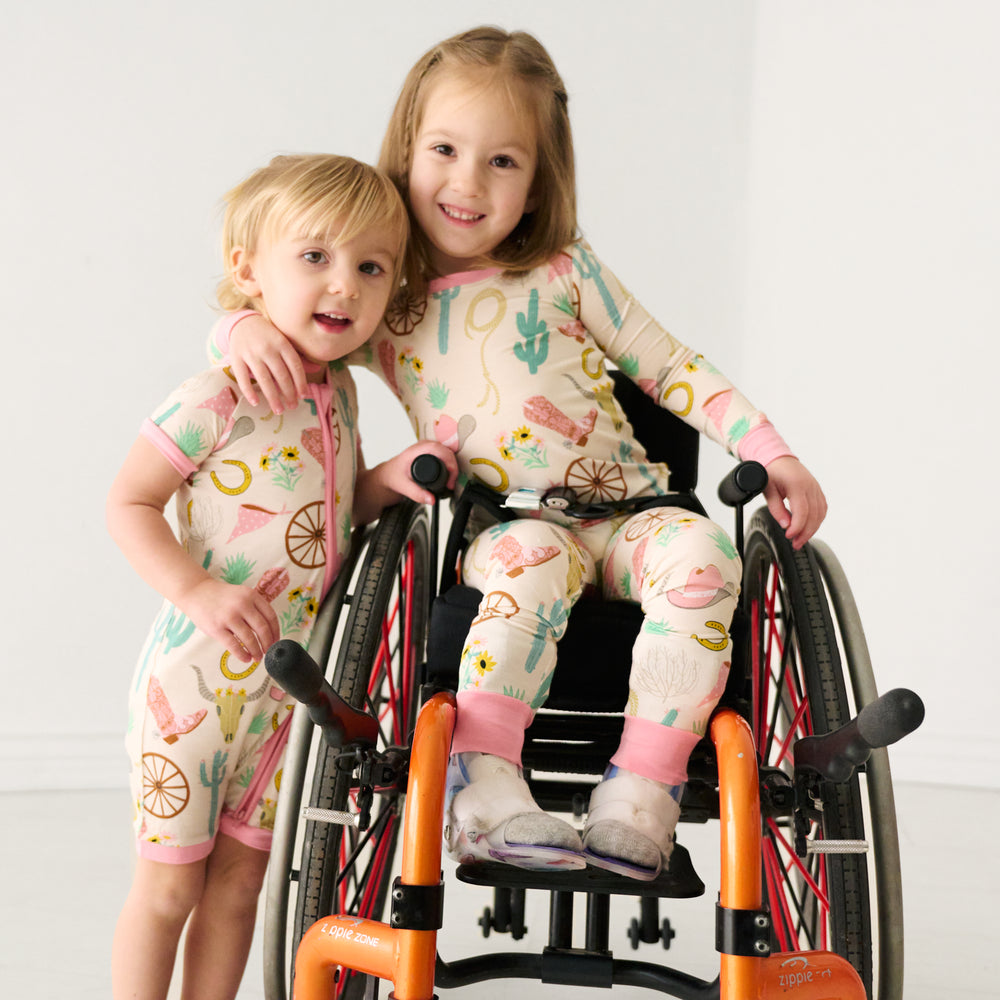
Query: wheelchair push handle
{"type": "Point", "coordinates": [431, 473]}
{"type": "Point", "coordinates": [836, 755]}
{"type": "Point", "coordinates": [298, 673]}
{"type": "Point", "coordinates": [744, 482]}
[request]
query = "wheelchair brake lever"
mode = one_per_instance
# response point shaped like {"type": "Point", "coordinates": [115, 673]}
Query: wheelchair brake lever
{"type": "Point", "coordinates": [836, 755]}
{"type": "Point", "coordinates": [298, 674]}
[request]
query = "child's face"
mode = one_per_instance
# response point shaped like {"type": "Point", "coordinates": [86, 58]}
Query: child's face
{"type": "Point", "coordinates": [325, 299]}
{"type": "Point", "coordinates": [474, 159]}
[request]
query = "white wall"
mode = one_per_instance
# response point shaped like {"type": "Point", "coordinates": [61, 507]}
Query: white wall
{"type": "Point", "coordinates": [123, 124]}
{"type": "Point", "coordinates": [871, 329]}
{"type": "Point", "coordinates": [771, 179]}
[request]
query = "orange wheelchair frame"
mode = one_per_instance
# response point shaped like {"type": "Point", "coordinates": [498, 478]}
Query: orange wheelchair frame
{"type": "Point", "coordinates": [408, 957]}
{"type": "Point", "coordinates": [771, 943]}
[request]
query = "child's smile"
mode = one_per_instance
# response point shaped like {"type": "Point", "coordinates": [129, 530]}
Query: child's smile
{"type": "Point", "coordinates": [326, 296]}
{"type": "Point", "coordinates": [473, 166]}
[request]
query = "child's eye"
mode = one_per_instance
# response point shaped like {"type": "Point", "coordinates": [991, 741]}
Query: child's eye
{"type": "Point", "coordinates": [444, 149]}
{"type": "Point", "coordinates": [371, 268]}
{"type": "Point", "coordinates": [314, 257]}
{"type": "Point", "coordinates": [503, 161]}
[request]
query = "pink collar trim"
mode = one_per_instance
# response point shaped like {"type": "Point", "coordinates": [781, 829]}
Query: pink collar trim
{"type": "Point", "coordinates": [462, 278]}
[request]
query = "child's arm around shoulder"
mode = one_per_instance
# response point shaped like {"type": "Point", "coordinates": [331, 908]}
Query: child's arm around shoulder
{"type": "Point", "coordinates": [238, 617]}
{"type": "Point", "coordinates": [261, 358]}
{"type": "Point", "coordinates": [390, 481]}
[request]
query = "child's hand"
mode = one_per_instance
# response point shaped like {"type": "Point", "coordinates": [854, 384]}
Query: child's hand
{"type": "Point", "coordinates": [238, 617]}
{"type": "Point", "coordinates": [258, 350]}
{"type": "Point", "coordinates": [795, 499]}
{"type": "Point", "coordinates": [397, 470]}
{"type": "Point", "coordinates": [389, 481]}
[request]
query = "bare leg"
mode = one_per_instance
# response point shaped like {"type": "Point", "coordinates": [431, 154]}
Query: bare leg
{"type": "Point", "coordinates": [221, 929]}
{"type": "Point", "coordinates": [149, 927]}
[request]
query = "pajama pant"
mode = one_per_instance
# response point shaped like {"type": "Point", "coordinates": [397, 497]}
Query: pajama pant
{"type": "Point", "coordinates": [680, 567]}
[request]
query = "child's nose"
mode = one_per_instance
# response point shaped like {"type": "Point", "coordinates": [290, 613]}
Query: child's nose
{"type": "Point", "coordinates": [343, 281]}
{"type": "Point", "coordinates": [467, 179]}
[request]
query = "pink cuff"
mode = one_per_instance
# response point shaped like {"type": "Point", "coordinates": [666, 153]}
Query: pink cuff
{"type": "Point", "coordinates": [763, 444]}
{"type": "Point", "coordinates": [166, 446]}
{"type": "Point", "coordinates": [491, 723]}
{"type": "Point", "coordinates": [169, 854]}
{"type": "Point", "coordinates": [655, 751]}
{"type": "Point", "coordinates": [251, 836]}
{"type": "Point", "coordinates": [224, 329]}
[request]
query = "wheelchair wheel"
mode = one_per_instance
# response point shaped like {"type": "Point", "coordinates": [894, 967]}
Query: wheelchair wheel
{"type": "Point", "coordinates": [798, 689]}
{"type": "Point", "coordinates": [343, 869]}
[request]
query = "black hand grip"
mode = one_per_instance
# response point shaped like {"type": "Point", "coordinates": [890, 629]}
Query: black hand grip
{"type": "Point", "coordinates": [295, 671]}
{"type": "Point", "coordinates": [889, 718]}
{"type": "Point", "coordinates": [298, 674]}
{"type": "Point", "coordinates": [886, 720]}
{"type": "Point", "coordinates": [431, 473]}
{"type": "Point", "coordinates": [743, 483]}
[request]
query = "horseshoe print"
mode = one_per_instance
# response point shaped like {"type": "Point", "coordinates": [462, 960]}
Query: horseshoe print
{"type": "Point", "coordinates": [710, 643]}
{"type": "Point", "coordinates": [504, 479]}
{"type": "Point", "coordinates": [597, 372]}
{"type": "Point", "coordinates": [226, 672]}
{"type": "Point", "coordinates": [233, 491]}
{"type": "Point", "coordinates": [689, 393]}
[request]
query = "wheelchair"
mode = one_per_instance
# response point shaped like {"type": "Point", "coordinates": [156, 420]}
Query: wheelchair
{"type": "Point", "coordinates": [810, 899]}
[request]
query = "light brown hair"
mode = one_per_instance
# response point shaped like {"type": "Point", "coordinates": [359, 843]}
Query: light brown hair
{"type": "Point", "coordinates": [315, 195]}
{"type": "Point", "coordinates": [514, 60]}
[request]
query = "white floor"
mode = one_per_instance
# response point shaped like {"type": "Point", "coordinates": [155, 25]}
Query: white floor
{"type": "Point", "coordinates": [66, 868]}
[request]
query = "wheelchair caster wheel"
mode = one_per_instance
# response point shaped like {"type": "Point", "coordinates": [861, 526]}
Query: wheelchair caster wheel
{"type": "Point", "coordinates": [486, 922]}
{"type": "Point", "coordinates": [638, 933]}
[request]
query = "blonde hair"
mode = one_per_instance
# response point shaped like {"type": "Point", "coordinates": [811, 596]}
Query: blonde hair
{"type": "Point", "coordinates": [316, 195]}
{"type": "Point", "coordinates": [516, 61]}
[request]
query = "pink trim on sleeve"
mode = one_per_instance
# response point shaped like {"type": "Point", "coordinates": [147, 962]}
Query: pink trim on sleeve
{"type": "Point", "coordinates": [165, 445]}
{"type": "Point", "coordinates": [224, 328]}
{"type": "Point", "coordinates": [763, 444]}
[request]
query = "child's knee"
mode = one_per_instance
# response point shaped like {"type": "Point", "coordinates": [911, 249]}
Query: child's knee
{"type": "Point", "coordinates": [170, 891]}
{"type": "Point", "coordinates": [236, 871]}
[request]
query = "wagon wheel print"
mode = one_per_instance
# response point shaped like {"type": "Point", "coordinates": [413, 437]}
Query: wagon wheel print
{"type": "Point", "coordinates": [165, 790]}
{"type": "Point", "coordinates": [641, 524]}
{"type": "Point", "coordinates": [574, 299]}
{"type": "Point", "coordinates": [497, 604]}
{"type": "Point", "coordinates": [403, 322]}
{"type": "Point", "coordinates": [594, 480]}
{"type": "Point", "coordinates": [305, 537]}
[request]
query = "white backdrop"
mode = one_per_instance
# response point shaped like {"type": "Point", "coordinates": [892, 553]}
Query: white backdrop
{"type": "Point", "coordinates": [805, 192]}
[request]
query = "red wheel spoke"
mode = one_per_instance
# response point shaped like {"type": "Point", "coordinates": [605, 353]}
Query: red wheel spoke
{"type": "Point", "coordinates": [796, 861]}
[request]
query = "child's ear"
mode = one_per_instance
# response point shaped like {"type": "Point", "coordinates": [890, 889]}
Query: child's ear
{"type": "Point", "coordinates": [242, 272]}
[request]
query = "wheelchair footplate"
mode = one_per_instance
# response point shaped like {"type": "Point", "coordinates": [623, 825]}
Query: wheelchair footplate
{"type": "Point", "coordinates": [679, 881]}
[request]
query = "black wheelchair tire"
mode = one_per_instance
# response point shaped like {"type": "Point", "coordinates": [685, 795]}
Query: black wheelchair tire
{"type": "Point", "coordinates": [791, 628]}
{"type": "Point", "coordinates": [400, 541]}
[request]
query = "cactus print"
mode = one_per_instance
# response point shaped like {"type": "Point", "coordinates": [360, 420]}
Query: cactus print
{"type": "Point", "coordinates": [207, 732]}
